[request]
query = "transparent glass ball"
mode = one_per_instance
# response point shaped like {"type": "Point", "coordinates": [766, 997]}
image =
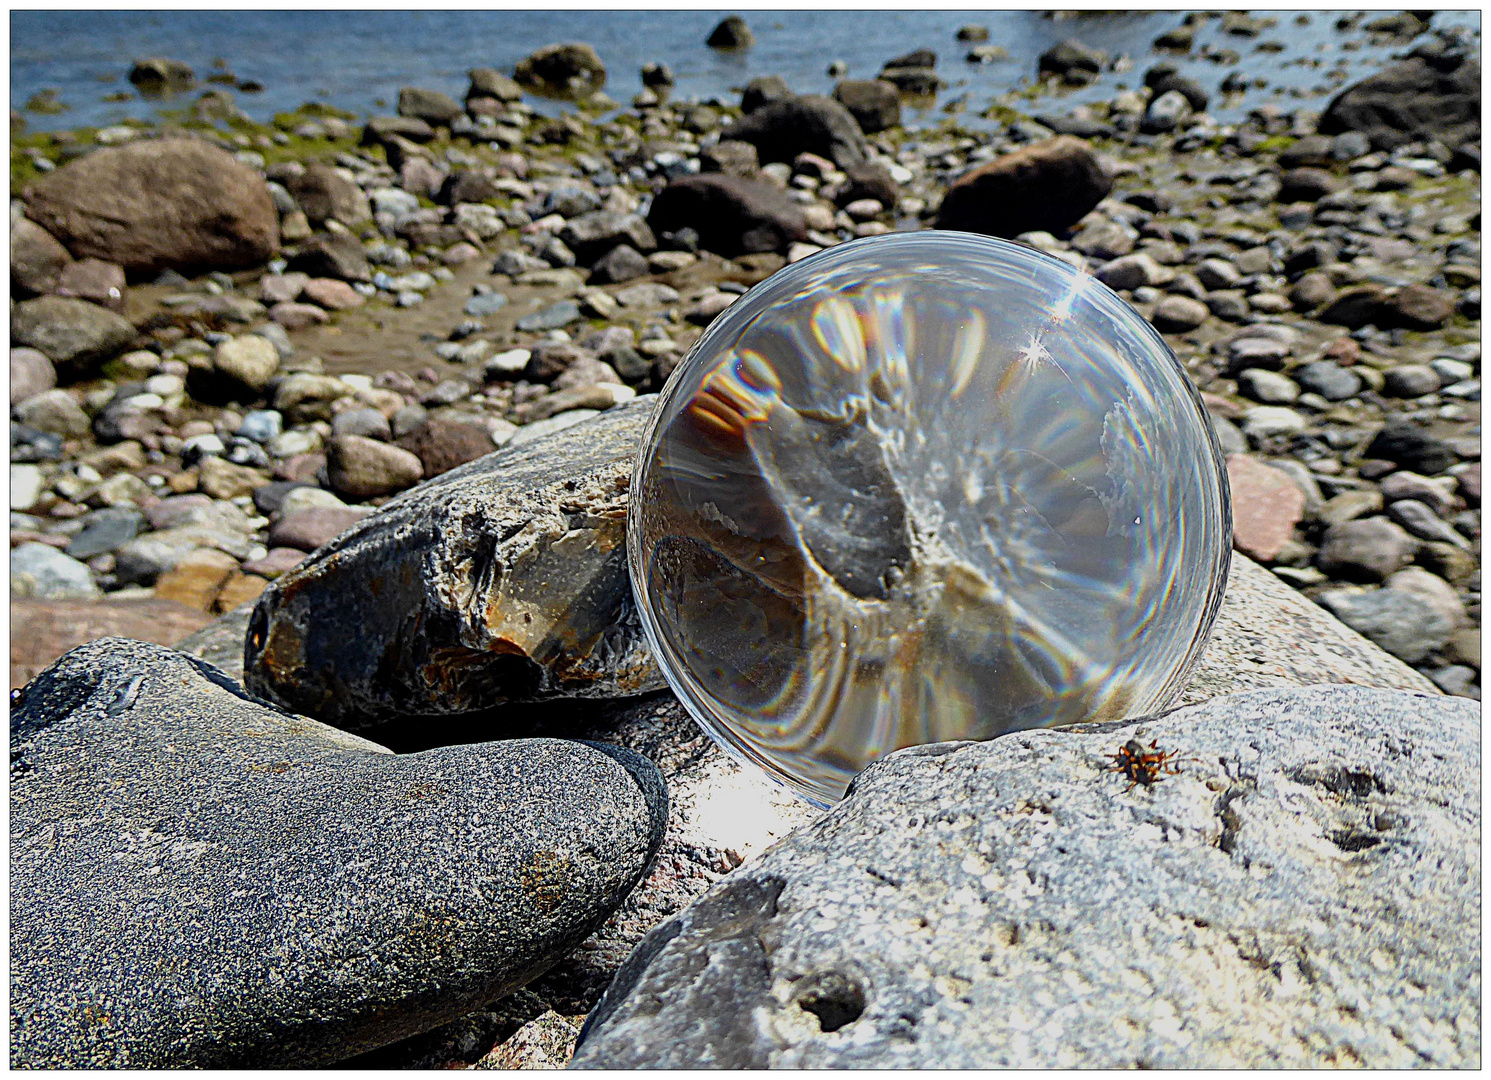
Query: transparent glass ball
{"type": "Point", "coordinates": [920, 488]}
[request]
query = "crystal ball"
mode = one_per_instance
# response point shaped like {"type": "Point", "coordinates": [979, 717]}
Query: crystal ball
{"type": "Point", "coordinates": [919, 488]}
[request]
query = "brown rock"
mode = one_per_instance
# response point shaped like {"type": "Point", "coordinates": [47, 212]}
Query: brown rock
{"type": "Point", "coordinates": [323, 194]}
{"type": "Point", "coordinates": [31, 373]}
{"type": "Point", "coordinates": [279, 560]}
{"type": "Point", "coordinates": [1307, 184]}
{"type": "Point", "coordinates": [307, 530]}
{"type": "Point", "coordinates": [222, 479]}
{"type": "Point", "coordinates": [442, 444]}
{"type": "Point", "coordinates": [333, 294]}
{"type": "Point", "coordinates": [732, 215]}
{"type": "Point", "coordinates": [94, 280]}
{"type": "Point", "coordinates": [1266, 506]}
{"type": "Point", "coordinates": [1417, 307]}
{"type": "Point", "coordinates": [281, 288]}
{"type": "Point", "coordinates": [74, 334]}
{"type": "Point", "coordinates": [293, 316]}
{"type": "Point", "coordinates": [731, 157]}
{"type": "Point", "coordinates": [333, 256]}
{"type": "Point", "coordinates": [42, 630]}
{"type": "Point", "coordinates": [178, 203]}
{"type": "Point", "coordinates": [36, 259]}
{"type": "Point", "coordinates": [1047, 186]}
{"type": "Point", "coordinates": [1177, 314]}
{"type": "Point", "coordinates": [363, 468]}
{"type": "Point", "coordinates": [238, 589]}
{"type": "Point", "coordinates": [196, 580]}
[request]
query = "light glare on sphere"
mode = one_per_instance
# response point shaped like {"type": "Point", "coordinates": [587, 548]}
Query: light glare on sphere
{"type": "Point", "coordinates": [921, 488]}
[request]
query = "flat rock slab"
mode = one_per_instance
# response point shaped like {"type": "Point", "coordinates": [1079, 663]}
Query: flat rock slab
{"type": "Point", "coordinates": [42, 630]}
{"type": "Point", "coordinates": [1267, 635]}
{"type": "Point", "coordinates": [200, 880]}
{"type": "Point", "coordinates": [502, 580]}
{"type": "Point", "coordinates": [1301, 891]}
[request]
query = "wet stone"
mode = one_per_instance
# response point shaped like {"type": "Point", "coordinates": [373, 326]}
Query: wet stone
{"type": "Point", "coordinates": [501, 580]}
{"type": "Point", "coordinates": [249, 889]}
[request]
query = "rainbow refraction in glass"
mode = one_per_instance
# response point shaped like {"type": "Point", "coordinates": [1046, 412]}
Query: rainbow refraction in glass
{"type": "Point", "coordinates": [921, 488]}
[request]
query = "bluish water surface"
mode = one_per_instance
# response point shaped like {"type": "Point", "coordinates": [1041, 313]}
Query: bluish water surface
{"type": "Point", "coordinates": [355, 59]}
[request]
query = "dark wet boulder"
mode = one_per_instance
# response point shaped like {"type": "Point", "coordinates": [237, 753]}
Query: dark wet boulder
{"type": "Point", "coordinates": [502, 580]}
{"type": "Point", "coordinates": [731, 33]}
{"type": "Point", "coordinates": [204, 881]}
{"type": "Point", "coordinates": [1049, 185]}
{"type": "Point", "coordinates": [161, 75]}
{"type": "Point", "coordinates": [782, 129]}
{"type": "Point", "coordinates": [763, 90]}
{"type": "Point", "coordinates": [875, 104]}
{"type": "Point", "coordinates": [1418, 99]}
{"type": "Point", "coordinates": [731, 215]}
{"type": "Point", "coordinates": [572, 68]}
{"type": "Point", "coordinates": [1072, 61]}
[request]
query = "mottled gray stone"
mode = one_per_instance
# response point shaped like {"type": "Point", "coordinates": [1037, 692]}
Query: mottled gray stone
{"type": "Point", "coordinates": [45, 573]}
{"type": "Point", "coordinates": [1401, 621]}
{"type": "Point", "coordinates": [1018, 903]}
{"type": "Point", "coordinates": [202, 880]}
{"type": "Point", "coordinates": [502, 580]}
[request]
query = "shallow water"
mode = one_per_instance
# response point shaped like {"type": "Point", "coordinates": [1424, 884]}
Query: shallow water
{"type": "Point", "coordinates": [919, 489]}
{"type": "Point", "coordinates": [353, 59]}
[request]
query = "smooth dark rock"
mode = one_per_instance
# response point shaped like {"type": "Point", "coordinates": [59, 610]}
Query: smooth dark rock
{"type": "Point", "coordinates": [1412, 447]}
{"type": "Point", "coordinates": [1072, 59]}
{"type": "Point", "coordinates": [1415, 100]}
{"type": "Point", "coordinates": [104, 530]}
{"type": "Point", "coordinates": [340, 257]}
{"type": "Point", "coordinates": [570, 68]}
{"type": "Point", "coordinates": [431, 106]}
{"type": "Point", "coordinates": [594, 234]}
{"type": "Point", "coordinates": [502, 580]}
{"type": "Point", "coordinates": [1020, 903]}
{"type": "Point", "coordinates": [621, 263]}
{"type": "Point", "coordinates": [204, 881]}
{"type": "Point", "coordinates": [732, 215]}
{"type": "Point", "coordinates": [763, 90]}
{"type": "Point", "coordinates": [875, 104]}
{"type": "Point", "coordinates": [36, 259]}
{"type": "Point", "coordinates": [731, 33]}
{"type": "Point", "coordinates": [1047, 186]}
{"type": "Point", "coordinates": [814, 124]}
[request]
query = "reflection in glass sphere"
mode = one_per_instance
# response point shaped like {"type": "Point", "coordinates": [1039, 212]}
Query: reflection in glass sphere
{"type": "Point", "coordinates": [920, 488]}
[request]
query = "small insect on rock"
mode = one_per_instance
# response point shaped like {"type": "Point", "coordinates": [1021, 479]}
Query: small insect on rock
{"type": "Point", "coordinates": [1143, 765]}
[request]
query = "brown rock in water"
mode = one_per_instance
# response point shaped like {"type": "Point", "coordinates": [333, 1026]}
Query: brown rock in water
{"type": "Point", "coordinates": [571, 68]}
{"type": "Point", "coordinates": [1418, 99]}
{"type": "Point", "coordinates": [158, 204]}
{"type": "Point", "coordinates": [1266, 506]}
{"type": "Point", "coordinates": [1047, 186]}
{"type": "Point", "coordinates": [503, 580]}
{"type": "Point", "coordinates": [42, 630]}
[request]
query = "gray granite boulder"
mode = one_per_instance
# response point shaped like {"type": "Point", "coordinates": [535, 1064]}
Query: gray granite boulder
{"type": "Point", "coordinates": [502, 580]}
{"type": "Point", "coordinates": [201, 880]}
{"type": "Point", "coordinates": [1305, 859]}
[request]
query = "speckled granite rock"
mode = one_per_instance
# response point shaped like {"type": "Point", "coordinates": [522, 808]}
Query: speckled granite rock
{"type": "Point", "coordinates": [220, 642]}
{"type": "Point", "coordinates": [201, 880]}
{"type": "Point", "coordinates": [502, 580]}
{"type": "Point", "coordinates": [1268, 635]}
{"type": "Point", "coordinates": [1303, 892]}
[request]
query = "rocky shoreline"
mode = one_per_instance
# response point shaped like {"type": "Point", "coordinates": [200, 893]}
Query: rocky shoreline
{"type": "Point", "coordinates": [286, 384]}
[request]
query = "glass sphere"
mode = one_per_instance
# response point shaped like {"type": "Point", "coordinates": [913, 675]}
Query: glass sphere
{"type": "Point", "coordinates": [921, 488]}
